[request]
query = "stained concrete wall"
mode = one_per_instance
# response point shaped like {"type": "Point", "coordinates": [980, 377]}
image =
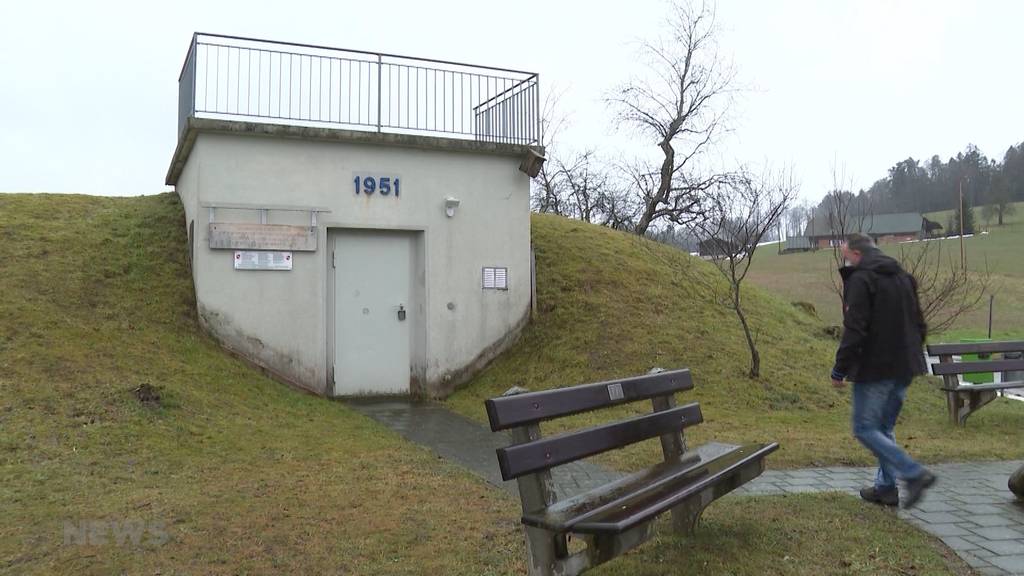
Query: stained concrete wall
{"type": "Point", "coordinates": [280, 319]}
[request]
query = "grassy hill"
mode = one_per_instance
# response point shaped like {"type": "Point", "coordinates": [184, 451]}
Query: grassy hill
{"type": "Point", "coordinates": [805, 276]}
{"type": "Point", "coordinates": [614, 305]}
{"type": "Point", "coordinates": [246, 476]}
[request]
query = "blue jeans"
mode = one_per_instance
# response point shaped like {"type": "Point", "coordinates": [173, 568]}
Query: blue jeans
{"type": "Point", "coordinates": [876, 405]}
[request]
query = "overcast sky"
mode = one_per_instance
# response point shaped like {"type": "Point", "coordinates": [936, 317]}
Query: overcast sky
{"type": "Point", "coordinates": [88, 90]}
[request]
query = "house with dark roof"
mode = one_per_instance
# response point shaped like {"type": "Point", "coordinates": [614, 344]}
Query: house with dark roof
{"type": "Point", "coordinates": [716, 248]}
{"type": "Point", "coordinates": [797, 244]}
{"type": "Point", "coordinates": [882, 227]}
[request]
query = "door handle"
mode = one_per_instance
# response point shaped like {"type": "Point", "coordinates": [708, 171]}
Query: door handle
{"type": "Point", "coordinates": [401, 313]}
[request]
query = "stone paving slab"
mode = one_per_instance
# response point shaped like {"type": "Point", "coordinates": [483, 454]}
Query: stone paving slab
{"type": "Point", "coordinates": [970, 508]}
{"type": "Point", "coordinates": [470, 445]}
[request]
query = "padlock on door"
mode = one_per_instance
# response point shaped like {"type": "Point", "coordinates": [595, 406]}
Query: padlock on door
{"type": "Point", "coordinates": [401, 312]}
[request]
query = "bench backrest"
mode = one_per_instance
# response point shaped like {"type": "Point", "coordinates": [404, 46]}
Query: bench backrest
{"type": "Point", "coordinates": [946, 367]}
{"type": "Point", "coordinates": [540, 454]}
{"type": "Point", "coordinates": [531, 407]}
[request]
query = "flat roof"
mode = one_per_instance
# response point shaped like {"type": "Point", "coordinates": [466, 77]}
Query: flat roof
{"type": "Point", "coordinates": [195, 126]}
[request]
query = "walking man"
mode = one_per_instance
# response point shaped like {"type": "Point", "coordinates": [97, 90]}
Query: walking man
{"type": "Point", "coordinates": [881, 352]}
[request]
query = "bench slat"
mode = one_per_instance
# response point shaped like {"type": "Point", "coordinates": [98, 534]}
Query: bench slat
{"type": "Point", "coordinates": [975, 348]}
{"type": "Point", "coordinates": [944, 368]}
{"type": "Point", "coordinates": [552, 451]}
{"type": "Point", "coordinates": [531, 407]}
{"type": "Point", "coordinates": [560, 516]}
{"type": "Point", "coordinates": [618, 507]}
{"type": "Point", "coordinates": [983, 387]}
{"type": "Point", "coordinates": [644, 508]}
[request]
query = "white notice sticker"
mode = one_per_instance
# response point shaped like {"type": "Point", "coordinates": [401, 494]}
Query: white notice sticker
{"type": "Point", "coordinates": [262, 260]}
{"type": "Point", "coordinates": [615, 391]}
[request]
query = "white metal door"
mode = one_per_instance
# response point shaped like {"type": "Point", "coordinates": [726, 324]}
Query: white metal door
{"type": "Point", "coordinates": [372, 316]}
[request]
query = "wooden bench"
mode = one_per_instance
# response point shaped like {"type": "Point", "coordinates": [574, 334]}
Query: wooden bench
{"type": "Point", "coordinates": [611, 519]}
{"type": "Point", "coordinates": [965, 399]}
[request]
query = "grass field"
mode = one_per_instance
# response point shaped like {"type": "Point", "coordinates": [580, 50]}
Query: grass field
{"type": "Point", "coordinates": [613, 305]}
{"type": "Point", "coordinates": [246, 476]}
{"type": "Point", "coordinates": [799, 530]}
{"type": "Point", "coordinates": [805, 277]}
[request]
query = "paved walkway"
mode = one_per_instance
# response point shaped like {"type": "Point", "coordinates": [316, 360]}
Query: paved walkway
{"type": "Point", "coordinates": [467, 443]}
{"type": "Point", "coordinates": [970, 508]}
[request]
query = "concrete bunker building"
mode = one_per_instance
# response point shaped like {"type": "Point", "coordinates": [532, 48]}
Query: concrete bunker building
{"type": "Point", "coordinates": [358, 223]}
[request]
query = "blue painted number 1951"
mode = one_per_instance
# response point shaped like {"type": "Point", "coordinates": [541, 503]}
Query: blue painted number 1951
{"type": "Point", "coordinates": [384, 185]}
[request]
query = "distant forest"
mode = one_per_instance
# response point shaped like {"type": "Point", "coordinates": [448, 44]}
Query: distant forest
{"type": "Point", "coordinates": [915, 186]}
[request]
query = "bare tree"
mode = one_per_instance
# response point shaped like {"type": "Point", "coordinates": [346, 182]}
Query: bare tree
{"type": "Point", "coordinates": [797, 218]}
{"type": "Point", "coordinates": [742, 213]}
{"type": "Point", "coordinates": [584, 187]}
{"type": "Point", "coordinates": [945, 290]}
{"type": "Point", "coordinates": [681, 104]}
{"type": "Point", "coordinates": [844, 215]}
{"type": "Point", "coordinates": [576, 184]}
{"type": "Point", "coordinates": [1000, 204]}
{"type": "Point", "coordinates": [547, 191]}
{"type": "Point", "coordinates": [546, 196]}
{"type": "Point", "coordinates": [676, 236]}
{"type": "Point", "coordinates": [618, 209]}
{"type": "Point", "coordinates": [1002, 197]}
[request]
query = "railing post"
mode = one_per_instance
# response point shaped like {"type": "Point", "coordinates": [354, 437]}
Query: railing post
{"type": "Point", "coordinates": [538, 125]}
{"type": "Point", "coordinates": [379, 75]}
{"type": "Point", "coordinates": [503, 106]}
{"type": "Point", "coordinates": [187, 88]}
{"type": "Point", "coordinates": [195, 66]}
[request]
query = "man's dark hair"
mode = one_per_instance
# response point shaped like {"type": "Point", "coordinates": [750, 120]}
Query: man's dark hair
{"type": "Point", "coordinates": [860, 242]}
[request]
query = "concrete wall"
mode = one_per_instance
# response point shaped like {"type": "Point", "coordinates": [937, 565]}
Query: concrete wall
{"type": "Point", "coordinates": [279, 319]}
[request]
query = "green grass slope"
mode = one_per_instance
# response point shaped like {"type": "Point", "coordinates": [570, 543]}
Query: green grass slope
{"type": "Point", "coordinates": [246, 476]}
{"type": "Point", "coordinates": [614, 305]}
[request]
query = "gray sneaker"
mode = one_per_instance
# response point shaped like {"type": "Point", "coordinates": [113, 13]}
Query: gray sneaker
{"type": "Point", "coordinates": [884, 497]}
{"type": "Point", "coordinates": [916, 488]}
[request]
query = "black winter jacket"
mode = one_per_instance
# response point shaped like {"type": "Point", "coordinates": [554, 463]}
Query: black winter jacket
{"type": "Point", "coordinates": [883, 327]}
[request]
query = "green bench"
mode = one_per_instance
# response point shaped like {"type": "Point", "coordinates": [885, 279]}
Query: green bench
{"type": "Point", "coordinates": [963, 399]}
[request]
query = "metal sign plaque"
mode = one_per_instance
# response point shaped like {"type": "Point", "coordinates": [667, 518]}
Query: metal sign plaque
{"type": "Point", "coordinates": [615, 391]}
{"type": "Point", "coordinates": [240, 236]}
{"type": "Point", "coordinates": [262, 260]}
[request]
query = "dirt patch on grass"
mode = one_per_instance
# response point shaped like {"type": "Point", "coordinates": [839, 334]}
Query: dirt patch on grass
{"type": "Point", "coordinates": [148, 395]}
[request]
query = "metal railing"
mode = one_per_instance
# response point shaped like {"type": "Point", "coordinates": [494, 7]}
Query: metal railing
{"type": "Point", "coordinates": [231, 77]}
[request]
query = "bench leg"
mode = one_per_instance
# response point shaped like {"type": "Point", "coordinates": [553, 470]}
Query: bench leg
{"type": "Point", "coordinates": [963, 403]}
{"type": "Point", "coordinates": [686, 522]}
{"type": "Point", "coordinates": [609, 547]}
{"type": "Point", "coordinates": [686, 516]}
{"type": "Point", "coordinates": [545, 553]}
{"type": "Point", "coordinates": [979, 399]}
{"type": "Point", "coordinates": [953, 404]}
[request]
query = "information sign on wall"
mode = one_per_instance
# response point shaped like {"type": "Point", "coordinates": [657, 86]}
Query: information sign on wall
{"type": "Point", "coordinates": [262, 260]}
